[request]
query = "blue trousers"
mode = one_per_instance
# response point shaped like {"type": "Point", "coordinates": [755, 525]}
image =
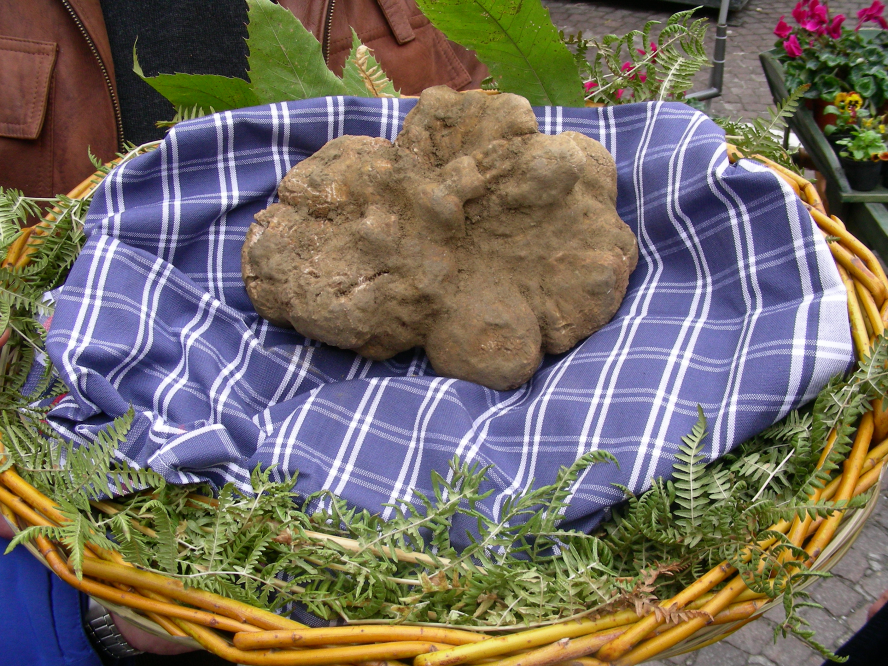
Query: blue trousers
{"type": "Point", "coordinates": [42, 623]}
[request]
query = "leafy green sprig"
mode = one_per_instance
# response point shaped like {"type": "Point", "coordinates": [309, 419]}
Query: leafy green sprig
{"type": "Point", "coordinates": [647, 70]}
{"type": "Point", "coordinates": [760, 135]}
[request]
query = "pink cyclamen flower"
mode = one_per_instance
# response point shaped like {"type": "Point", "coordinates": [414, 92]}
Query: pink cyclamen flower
{"type": "Point", "coordinates": [620, 92]}
{"type": "Point", "coordinates": [589, 85]}
{"type": "Point", "coordinates": [819, 12]}
{"type": "Point", "coordinates": [835, 28]}
{"type": "Point", "coordinates": [792, 47]}
{"type": "Point", "coordinates": [872, 14]}
{"type": "Point", "coordinates": [653, 50]}
{"type": "Point", "coordinates": [814, 25]}
{"type": "Point", "coordinates": [783, 29]}
{"type": "Point", "coordinates": [799, 13]}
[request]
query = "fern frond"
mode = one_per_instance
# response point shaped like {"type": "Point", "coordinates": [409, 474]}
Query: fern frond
{"type": "Point", "coordinates": [15, 211]}
{"type": "Point", "coordinates": [184, 113]}
{"type": "Point", "coordinates": [131, 543]}
{"type": "Point", "coordinates": [689, 471]}
{"type": "Point", "coordinates": [761, 137]}
{"type": "Point", "coordinates": [165, 523]}
{"type": "Point", "coordinates": [643, 73]}
{"type": "Point", "coordinates": [51, 532]}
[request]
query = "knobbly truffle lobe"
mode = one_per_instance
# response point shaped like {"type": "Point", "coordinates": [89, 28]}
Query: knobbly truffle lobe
{"type": "Point", "coordinates": [472, 235]}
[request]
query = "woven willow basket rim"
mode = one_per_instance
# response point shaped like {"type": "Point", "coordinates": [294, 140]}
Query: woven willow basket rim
{"type": "Point", "coordinates": [625, 638]}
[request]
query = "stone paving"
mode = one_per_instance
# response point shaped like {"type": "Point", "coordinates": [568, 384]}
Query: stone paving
{"type": "Point", "coordinates": [862, 575]}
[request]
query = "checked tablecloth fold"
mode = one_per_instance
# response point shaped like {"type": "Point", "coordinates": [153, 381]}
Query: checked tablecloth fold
{"type": "Point", "coordinates": [736, 306]}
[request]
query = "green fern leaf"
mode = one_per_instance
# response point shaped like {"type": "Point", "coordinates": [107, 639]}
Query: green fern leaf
{"type": "Point", "coordinates": [184, 113]}
{"type": "Point", "coordinates": [129, 541]}
{"type": "Point", "coordinates": [30, 533]}
{"type": "Point", "coordinates": [689, 470]}
{"type": "Point", "coordinates": [165, 523]}
{"type": "Point", "coordinates": [15, 211]}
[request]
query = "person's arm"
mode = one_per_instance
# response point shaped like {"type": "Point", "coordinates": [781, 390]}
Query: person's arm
{"type": "Point", "coordinates": [135, 637]}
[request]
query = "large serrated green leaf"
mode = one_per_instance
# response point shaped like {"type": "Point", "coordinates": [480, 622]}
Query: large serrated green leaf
{"type": "Point", "coordinates": [517, 42]}
{"type": "Point", "coordinates": [285, 61]}
{"type": "Point", "coordinates": [205, 91]}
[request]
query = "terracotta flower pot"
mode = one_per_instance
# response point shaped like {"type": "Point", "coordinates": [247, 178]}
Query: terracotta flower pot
{"type": "Point", "coordinates": [864, 175]}
{"type": "Point", "coordinates": [822, 119]}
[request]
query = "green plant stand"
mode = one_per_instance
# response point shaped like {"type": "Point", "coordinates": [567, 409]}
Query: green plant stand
{"type": "Point", "coordinates": [864, 213]}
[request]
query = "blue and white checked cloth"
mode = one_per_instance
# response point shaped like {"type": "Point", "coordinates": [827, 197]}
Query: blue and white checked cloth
{"type": "Point", "coordinates": [736, 306]}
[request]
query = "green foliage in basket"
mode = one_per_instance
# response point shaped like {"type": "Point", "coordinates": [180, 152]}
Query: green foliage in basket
{"type": "Point", "coordinates": [522, 569]}
{"type": "Point", "coordinates": [22, 290]}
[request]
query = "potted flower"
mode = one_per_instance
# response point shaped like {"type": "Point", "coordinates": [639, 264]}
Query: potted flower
{"type": "Point", "coordinates": [842, 116]}
{"type": "Point", "coordinates": [831, 58]}
{"type": "Point", "coordinates": [862, 158]}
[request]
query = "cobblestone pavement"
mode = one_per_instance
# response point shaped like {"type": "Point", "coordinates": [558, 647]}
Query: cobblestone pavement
{"type": "Point", "coordinates": [862, 575]}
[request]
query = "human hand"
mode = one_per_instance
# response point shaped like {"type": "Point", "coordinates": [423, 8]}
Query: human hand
{"type": "Point", "coordinates": [6, 531]}
{"type": "Point", "coordinates": [877, 606]}
{"type": "Point", "coordinates": [142, 640]}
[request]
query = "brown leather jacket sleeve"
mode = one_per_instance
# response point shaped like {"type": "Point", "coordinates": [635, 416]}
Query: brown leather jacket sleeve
{"type": "Point", "coordinates": [57, 94]}
{"type": "Point", "coordinates": [413, 53]}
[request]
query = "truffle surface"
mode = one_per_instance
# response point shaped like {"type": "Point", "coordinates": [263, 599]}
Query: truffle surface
{"type": "Point", "coordinates": [473, 235]}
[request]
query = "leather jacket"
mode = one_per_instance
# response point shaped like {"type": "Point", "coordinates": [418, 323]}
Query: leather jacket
{"type": "Point", "coordinates": [414, 54]}
{"type": "Point", "coordinates": [58, 94]}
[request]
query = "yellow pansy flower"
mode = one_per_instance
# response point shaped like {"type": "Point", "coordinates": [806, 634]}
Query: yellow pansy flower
{"type": "Point", "coordinates": [850, 101]}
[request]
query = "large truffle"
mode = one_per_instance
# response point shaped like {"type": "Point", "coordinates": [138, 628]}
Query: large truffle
{"type": "Point", "coordinates": [472, 235]}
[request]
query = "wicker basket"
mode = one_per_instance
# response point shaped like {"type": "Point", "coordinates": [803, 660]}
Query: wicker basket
{"type": "Point", "coordinates": [247, 635]}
